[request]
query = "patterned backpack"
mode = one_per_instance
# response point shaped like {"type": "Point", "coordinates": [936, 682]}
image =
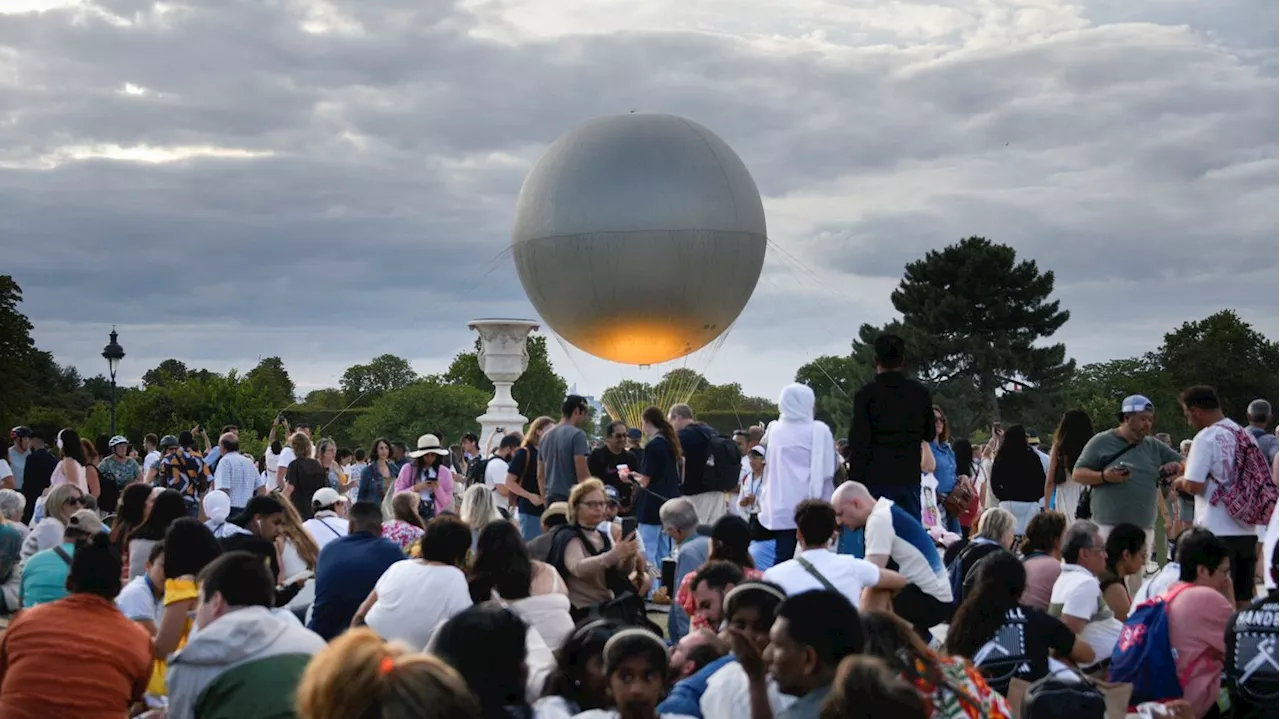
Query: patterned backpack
{"type": "Point", "coordinates": [1251, 498]}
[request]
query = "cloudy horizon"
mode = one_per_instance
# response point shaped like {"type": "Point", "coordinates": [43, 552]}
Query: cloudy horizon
{"type": "Point", "coordinates": [331, 181]}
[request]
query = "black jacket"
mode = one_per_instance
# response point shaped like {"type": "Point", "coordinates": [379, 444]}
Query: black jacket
{"type": "Point", "coordinates": [892, 415]}
{"type": "Point", "coordinates": [36, 478]}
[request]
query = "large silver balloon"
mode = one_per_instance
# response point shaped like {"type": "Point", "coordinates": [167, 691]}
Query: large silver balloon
{"type": "Point", "coordinates": [639, 238]}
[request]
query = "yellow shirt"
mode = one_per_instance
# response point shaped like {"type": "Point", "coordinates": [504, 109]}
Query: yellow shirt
{"type": "Point", "coordinates": [175, 590]}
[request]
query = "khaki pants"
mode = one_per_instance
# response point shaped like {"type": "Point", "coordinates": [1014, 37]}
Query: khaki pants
{"type": "Point", "coordinates": [712, 505]}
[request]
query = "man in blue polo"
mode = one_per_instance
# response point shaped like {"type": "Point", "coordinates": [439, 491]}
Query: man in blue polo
{"type": "Point", "coordinates": [348, 568]}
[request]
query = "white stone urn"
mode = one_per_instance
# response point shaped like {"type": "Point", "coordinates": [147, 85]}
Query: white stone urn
{"type": "Point", "coordinates": [504, 356]}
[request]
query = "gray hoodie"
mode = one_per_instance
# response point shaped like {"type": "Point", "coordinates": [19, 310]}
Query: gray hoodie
{"type": "Point", "coordinates": [277, 647]}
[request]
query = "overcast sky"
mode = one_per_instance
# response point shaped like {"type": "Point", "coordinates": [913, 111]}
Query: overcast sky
{"type": "Point", "coordinates": [329, 181]}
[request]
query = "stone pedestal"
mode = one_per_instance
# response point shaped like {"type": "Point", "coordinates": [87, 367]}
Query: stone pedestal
{"type": "Point", "coordinates": [503, 358]}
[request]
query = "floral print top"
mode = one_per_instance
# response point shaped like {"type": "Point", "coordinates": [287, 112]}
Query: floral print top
{"type": "Point", "coordinates": [402, 533]}
{"type": "Point", "coordinates": [122, 472]}
{"type": "Point", "coordinates": [941, 702]}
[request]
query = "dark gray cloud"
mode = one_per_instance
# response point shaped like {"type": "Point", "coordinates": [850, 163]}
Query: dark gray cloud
{"type": "Point", "coordinates": [348, 192]}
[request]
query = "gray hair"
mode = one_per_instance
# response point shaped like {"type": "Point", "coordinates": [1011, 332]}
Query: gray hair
{"type": "Point", "coordinates": [1079, 536]}
{"type": "Point", "coordinates": [1259, 410]}
{"type": "Point", "coordinates": [682, 411]}
{"type": "Point", "coordinates": [995, 523]}
{"type": "Point", "coordinates": [12, 503]}
{"type": "Point", "coordinates": [679, 513]}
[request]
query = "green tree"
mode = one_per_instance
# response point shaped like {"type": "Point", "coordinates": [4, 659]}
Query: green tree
{"type": "Point", "coordinates": [973, 310]}
{"type": "Point", "coordinates": [384, 373]}
{"type": "Point", "coordinates": [834, 380]}
{"type": "Point", "coordinates": [1225, 352]}
{"type": "Point", "coordinates": [98, 387]}
{"type": "Point", "coordinates": [16, 355]}
{"type": "Point", "coordinates": [1098, 389]}
{"type": "Point", "coordinates": [328, 398]}
{"type": "Point", "coordinates": [271, 381]}
{"type": "Point", "coordinates": [167, 372]}
{"type": "Point", "coordinates": [425, 406]}
{"type": "Point", "coordinates": [539, 391]}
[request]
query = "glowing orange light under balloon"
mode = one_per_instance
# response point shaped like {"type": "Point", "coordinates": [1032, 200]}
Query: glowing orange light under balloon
{"type": "Point", "coordinates": [642, 343]}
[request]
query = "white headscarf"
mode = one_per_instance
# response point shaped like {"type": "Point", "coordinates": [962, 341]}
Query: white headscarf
{"type": "Point", "coordinates": [794, 433]}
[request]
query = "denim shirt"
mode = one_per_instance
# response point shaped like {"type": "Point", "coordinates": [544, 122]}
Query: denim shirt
{"type": "Point", "coordinates": [945, 472]}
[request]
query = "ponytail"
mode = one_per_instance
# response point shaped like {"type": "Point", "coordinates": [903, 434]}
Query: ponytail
{"type": "Point", "coordinates": [654, 416]}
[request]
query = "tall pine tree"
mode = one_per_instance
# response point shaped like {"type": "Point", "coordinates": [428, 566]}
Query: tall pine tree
{"type": "Point", "coordinates": [972, 312]}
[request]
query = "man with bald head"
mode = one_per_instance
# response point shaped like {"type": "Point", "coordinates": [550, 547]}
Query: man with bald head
{"type": "Point", "coordinates": [893, 535]}
{"type": "Point", "coordinates": [236, 474]}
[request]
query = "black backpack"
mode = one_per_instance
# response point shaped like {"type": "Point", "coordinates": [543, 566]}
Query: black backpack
{"type": "Point", "coordinates": [1064, 697]}
{"type": "Point", "coordinates": [724, 461]}
{"type": "Point", "coordinates": [475, 471]}
{"type": "Point", "coordinates": [1250, 671]}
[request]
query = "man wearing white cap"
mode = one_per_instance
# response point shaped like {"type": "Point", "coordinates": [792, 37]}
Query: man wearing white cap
{"type": "Point", "coordinates": [329, 519]}
{"type": "Point", "coordinates": [1123, 466]}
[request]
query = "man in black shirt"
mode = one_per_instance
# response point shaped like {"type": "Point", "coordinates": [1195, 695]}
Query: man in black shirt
{"type": "Point", "coordinates": [892, 415]}
{"type": "Point", "coordinates": [604, 460]}
{"type": "Point", "coordinates": [37, 475]}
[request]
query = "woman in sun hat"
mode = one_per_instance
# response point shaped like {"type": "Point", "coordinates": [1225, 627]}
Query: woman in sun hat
{"type": "Point", "coordinates": [427, 474]}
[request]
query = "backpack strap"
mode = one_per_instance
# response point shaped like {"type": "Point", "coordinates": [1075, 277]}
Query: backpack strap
{"type": "Point", "coordinates": [813, 571]}
{"type": "Point", "coordinates": [58, 550]}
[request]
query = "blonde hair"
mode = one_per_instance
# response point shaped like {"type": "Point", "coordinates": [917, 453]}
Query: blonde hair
{"type": "Point", "coordinates": [56, 498]}
{"type": "Point", "coordinates": [301, 445]}
{"type": "Point", "coordinates": [293, 530]}
{"type": "Point", "coordinates": [477, 507]}
{"type": "Point", "coordinates": [531, 437]}
{"type": "Point", "coordinates": [359, 675]}
{"type": "Point", "coordinates": [995, 523]}
{"type": "Point", "coordinates": [579, 491]}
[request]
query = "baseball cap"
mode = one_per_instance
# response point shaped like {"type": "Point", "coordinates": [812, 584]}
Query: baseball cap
{"type": "Point", "coordinates": [168, 441]}
{"type": "Point", "coordinates": [758, 449]}
{"type": "Point", "coordinates": [634, 433]}
{"type": "Point", "coordinates": [85, 520]}
{"type": "Point", "coordinates": [1033, 438]}
{"type": "Point", "coordinates": [326, 497]}
{"type": "Point", "coordinates": [1136, 403]}
{"type": "Point", "coordinates": [117, 440]}
{"type": "Point", "coordinates": [20, 431]}
{"type": "Point", "coordinates": [611, 494]}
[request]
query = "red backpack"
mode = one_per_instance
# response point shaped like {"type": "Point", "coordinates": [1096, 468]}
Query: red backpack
{"type": "Point", "coordinates": [1251, 498]}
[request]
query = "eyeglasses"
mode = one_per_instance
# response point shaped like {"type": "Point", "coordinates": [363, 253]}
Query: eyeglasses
{"type": "Point", "coordinates": [592, 505]}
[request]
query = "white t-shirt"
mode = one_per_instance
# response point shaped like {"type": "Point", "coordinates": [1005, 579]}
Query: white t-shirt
{"type": "Point", "coordinates": [137, 602]}
{"type": "Point", "coordinates": [413, 598]}
{"type": "Point", "coordinates": [5, 470]}
{"type": "Point", "coordinates": [149, 461]}
{"type": "Point", "coordinates": [1078, 594]}
{"type": "Point", "coordinates": [1270, 535]}
{"type": "Point", "coordinates": [325, 529]}
{"type": "Point", "coordinates": [287, 455]}
{"type": "Point", "coordinates": [1212, 461]}
{"type": "Point", "coordinates": [495, 475]}
{"type": "Point", "coordinates": [728, 694]}
{"type": "Point", "coordinates": [273, 464]}
{"type": "Point", "coordinates": [849, 575]}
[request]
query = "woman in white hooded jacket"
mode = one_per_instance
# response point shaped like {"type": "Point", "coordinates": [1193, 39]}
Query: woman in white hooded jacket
{"type": "Point", "coordinates": [800, 464]}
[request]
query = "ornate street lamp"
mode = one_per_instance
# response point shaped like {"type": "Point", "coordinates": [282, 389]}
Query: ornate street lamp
{"type": "Point", "coordinates": [113, 353]}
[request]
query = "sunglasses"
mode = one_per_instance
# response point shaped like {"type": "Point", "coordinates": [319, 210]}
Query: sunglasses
{"type": "Point", "coordinates": [75, 500]}
{"type": "Point", "coordinates": [619, 435]}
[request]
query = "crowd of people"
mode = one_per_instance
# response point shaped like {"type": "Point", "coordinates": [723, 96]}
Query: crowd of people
{"type": "Point", "coordinates": [898, 571]}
